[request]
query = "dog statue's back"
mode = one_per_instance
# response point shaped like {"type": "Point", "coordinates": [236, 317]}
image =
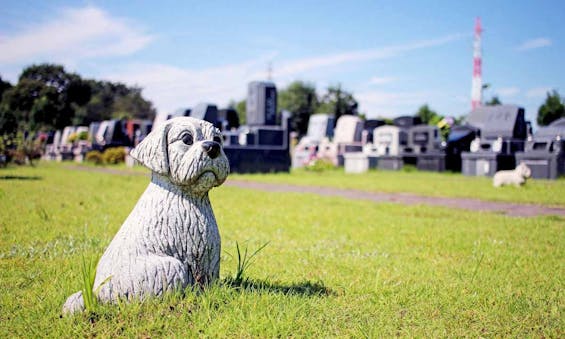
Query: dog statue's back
{"type": "Point", "coordinates": [170, 240]}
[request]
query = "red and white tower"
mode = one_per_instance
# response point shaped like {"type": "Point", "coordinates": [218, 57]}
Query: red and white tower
{"type": "Point", "coordinates": [477, 86]}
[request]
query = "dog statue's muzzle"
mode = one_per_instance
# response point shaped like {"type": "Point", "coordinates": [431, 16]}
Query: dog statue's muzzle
{"type": "Point", "coordinates": [212, 148]}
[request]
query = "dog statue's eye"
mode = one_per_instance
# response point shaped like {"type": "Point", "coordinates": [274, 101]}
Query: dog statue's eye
{"type": "Point", "coordinates": [187, 139]}
{"type": "Point", "coordinates": [218, 139]}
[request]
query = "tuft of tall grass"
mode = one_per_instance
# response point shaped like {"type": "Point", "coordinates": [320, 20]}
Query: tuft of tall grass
{"type": "Point", "coordinates": [244, 261]}
{"type": "Point", "coordinates": [88, 270]}
{"type": "Point", "coordinates": [89, 295]}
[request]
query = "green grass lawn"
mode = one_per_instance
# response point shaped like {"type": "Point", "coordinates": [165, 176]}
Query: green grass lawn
{"type": "Point", "coordinates": [333, 267]}
{"type": "Point", "coordinates": [546, 192]}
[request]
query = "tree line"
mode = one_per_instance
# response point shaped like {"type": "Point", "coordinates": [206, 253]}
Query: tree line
{"type": "Point", "coordinates": [47, 97]}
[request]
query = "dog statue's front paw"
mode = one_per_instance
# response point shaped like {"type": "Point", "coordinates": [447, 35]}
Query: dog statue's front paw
{"type": "Point", "coordinates": [74, 303]}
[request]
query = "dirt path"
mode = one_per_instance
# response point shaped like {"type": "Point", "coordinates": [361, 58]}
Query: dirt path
{"type": "Point", "coordinates": [511, 209]}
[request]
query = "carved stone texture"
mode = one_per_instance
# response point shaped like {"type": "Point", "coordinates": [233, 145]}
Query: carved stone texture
{"type": "Point", "coordinates": [516, 177]}
{"type": "Point", "coordinates": [170, 239]}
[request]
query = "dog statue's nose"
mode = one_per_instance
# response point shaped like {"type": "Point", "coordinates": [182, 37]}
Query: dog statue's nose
{"type": "Point", "coordinates": [212, 148]}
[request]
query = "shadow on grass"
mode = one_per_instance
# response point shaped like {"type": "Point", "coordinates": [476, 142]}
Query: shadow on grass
{"type": "Point", "coordinates": [19, 177]}
{"type": "Point", "coordinates": [305, 288]}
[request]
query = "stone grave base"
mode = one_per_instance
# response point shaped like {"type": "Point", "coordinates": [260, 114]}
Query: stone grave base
{"type": "Point", "coordinates": [359, 162]}
{"type": "Point", "coordinates": [390, 162]}
{"type": "Point", "coordinates": [434, 162]}
{"type": "Point", "coordinates": [485, 163]}
{"type": "Point", "coordinates": [64, 156]}
{"type": "Point", "coordinates": [543, 165]}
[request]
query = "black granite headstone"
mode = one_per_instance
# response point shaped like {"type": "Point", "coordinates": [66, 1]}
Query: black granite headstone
{"type": "Point", "coordinates": [261, 105]}
{"type": "Point", "coordinates": [205, 111]}
{"type": "Point", "coordinates": [228, 118]}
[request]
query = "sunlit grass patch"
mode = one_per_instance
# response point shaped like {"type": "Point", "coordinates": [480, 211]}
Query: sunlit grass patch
{"type": "Point", "coordinates": [333, 267]}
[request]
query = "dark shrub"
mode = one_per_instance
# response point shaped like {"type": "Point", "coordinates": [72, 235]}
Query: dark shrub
{"type": "Point", "coordinates": [94, 157]}
{"type": "Point", "coordinates": [114, 155]}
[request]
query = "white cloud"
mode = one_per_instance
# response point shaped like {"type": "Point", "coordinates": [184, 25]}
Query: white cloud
{"type": "Point", "coordinates": [507, 91]}
{"type": "Point", "coordinates": [534, 43]}
{"type": "Point", "coordinates": [537, 92]}
{"type": "Point", "coordinates": [381, 80]}
{"type": "Point", "coordinates": [170, 87]}
{"type": "Point", "coordinates": [391, 104]}
{"type": "Point", "coordinates": [72, 35]}
{"type": "Point", "coordinates": [305, 64]}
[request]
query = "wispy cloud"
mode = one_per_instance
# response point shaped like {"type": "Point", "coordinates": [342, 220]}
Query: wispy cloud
{"type": "Point", "coordinates": [381, 80]}
{"type": "Point", "coordinates": [305, 64]}
{"type": "Point", "coordinates": [173, 87]}
{"type": "Point", "coordinates": [507, 91]}
{"type": "Point", "coordinates": [392, 103]}
{"type": "Point", "coordinates": [537, 92]}
{"type": "Point", "coordinates": [170, 87]}
{"type": "Point", "coordinates": [534, 43]}
{"type": "Point", "coordinates": [72, 35]}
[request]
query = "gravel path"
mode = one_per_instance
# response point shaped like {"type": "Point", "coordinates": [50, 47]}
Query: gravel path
{"type": "Point", "coordinates": [511, 209]}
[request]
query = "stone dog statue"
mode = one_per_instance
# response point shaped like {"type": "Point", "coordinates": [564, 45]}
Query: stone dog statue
{"type": "Point", "coordinates": [516, 177]}
{"type": "Point", "coordinates": [170, 239]}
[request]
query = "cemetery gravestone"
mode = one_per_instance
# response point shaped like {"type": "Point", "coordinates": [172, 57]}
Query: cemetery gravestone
{"type": "Point", "coordinates": [207, 112]}
{"type": "Point", "coordinates": [261, 104]}
{"type": "Point", "coordinates": [389, 142]}
{"type": "Point", "coordinates": [458, 141]}
{"type": "Point", "coordinates": [425, 143]}
{"type": "Point", "coordinates": [320, 127]}
{"type": "Point", "coordinates": [368, 128]}
{"type": "Point", "coordinates": [228, 119]}
{"type": "Point", "coordinates": [503, 130]}
{"type": "Point", "coordinates": [359, 162]}
{"type": "Point", "coordinates": [347, 139]}
{"type": "Point", "coordinates": [65, 147]}
{"type": "Point", "coordinates": [545, 152]}
{"type": "Point", "coordinates": [262, 145]}
{"type": "Point", "coordinates": [52, 150]}
{"type": "Point", "coordinates": [80, 147]}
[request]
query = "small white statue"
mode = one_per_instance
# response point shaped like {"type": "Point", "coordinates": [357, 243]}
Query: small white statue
{"type": "Point", "coordinates": [516, 177]}
{"type": "Point", "coordinates": [170, 239]}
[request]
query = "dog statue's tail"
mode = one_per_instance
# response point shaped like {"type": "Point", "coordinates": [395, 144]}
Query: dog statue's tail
{"type": "Point", "coordinates": [75, 303]}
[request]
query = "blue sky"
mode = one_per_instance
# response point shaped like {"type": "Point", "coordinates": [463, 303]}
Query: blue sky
{"type": "Point", "coordinates": [393, 55]}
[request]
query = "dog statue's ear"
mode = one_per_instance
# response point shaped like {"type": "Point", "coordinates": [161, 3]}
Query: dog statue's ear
{"type": "Point", "coordinates": [152, 152]}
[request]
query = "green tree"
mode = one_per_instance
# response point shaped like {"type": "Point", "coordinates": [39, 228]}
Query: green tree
{"type": "Point", "coordinates": [45, 97]}
{"type": "Point", "coordinates": [338, 102]}
{"type": "Point", "coordinates": [70, 86]}
{"type": "Point", "coordinates": [4, 86]}
{"type": "Point", "coordinates": [240, 107]}
{"type": "Point", "coordinates": [48, 97]}
{"type": "Point", "coordinates": [494, 101]}
{"type": "Point", "coordinates": [112, 101]}
{"type": "Point", "coordinates": [17, 104]}
{"type": "Point", "coordinates": [8, 120]}
{"type": "Point", "coordinates": [132, 105]}
{"type": "Point", "coordinates": [300, 99]}
{"type": "Point", "coordinates": [552, 109]}
{"type": "Point", "coordinates": [46, 109]}
{"type": "Point", "coordinates": [427, 115]}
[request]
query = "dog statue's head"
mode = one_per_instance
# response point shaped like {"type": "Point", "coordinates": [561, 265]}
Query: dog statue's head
{"type": "Point", "coordinates": [186, 150]}
{"type": "Point", "coordinates": [524, 170]}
